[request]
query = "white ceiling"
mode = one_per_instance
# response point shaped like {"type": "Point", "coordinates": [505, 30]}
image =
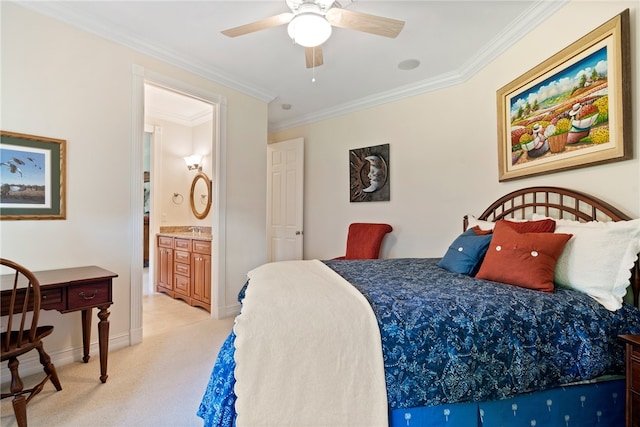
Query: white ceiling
{"type": "Point", "coordinates": [451, 39]}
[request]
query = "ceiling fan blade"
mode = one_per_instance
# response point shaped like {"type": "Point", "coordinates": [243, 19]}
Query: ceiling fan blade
{"type": "Point", "coordinates": [313, 56]}
{"type": "Point", "coordinates": [373, 24]}
{"type": "Point", "coordinates": [262, 24]}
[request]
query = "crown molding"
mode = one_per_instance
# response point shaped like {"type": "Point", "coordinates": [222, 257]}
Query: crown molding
{"type": "Point", "coordinates": [526, 22]}
{"type": "Point", "coordinates": [58, 11]}
{"type": "Point", "coordinates": [511, 34]}
{"type": "Point", "coordinates": [428, 85]}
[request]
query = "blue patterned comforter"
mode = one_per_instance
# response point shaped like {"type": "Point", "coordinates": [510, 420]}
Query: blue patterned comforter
{"type": "Point", "coordinates": [451, 338]}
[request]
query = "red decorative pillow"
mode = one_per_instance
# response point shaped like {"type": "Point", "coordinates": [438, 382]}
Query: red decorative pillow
{"type": "Point", "coordinates": [480, 232]}
{"type": "Point", "coordinates": [527, 260]}
{"type": "Point", "coordinates": [539, 226]}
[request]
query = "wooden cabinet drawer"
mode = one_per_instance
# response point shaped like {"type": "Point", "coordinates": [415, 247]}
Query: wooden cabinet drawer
{"type": "Point", "coordinates": [89, 295]}
{"type": "Point", "coordinates": [182, 257]}
{"type": "Point", "coordinates": [202, 246]}
{"type": "Point", "coordinates": [634, 411]}
{"type": "Point", "coordinates": [181, 284]}
{"type": "Point", "coordinates": [183, 269]}
{"type": "Point", "coordinates": [635, 376]}
{"type": "Point", "coordinates": [184, 244]}
{"type": "Point", "coordinates": [165, 242]}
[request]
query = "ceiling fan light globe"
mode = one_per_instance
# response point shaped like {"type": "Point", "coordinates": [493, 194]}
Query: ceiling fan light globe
{"type": "Point", "coordinates": [309, 29]}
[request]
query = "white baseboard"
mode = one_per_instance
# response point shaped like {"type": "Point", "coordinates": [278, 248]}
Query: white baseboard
{"type": "Point", "coordinates": [229, 311]}
{"type": "Point", "coordinates": [30, 364]}
{"type": "Point", "coordinates": [135, 336]}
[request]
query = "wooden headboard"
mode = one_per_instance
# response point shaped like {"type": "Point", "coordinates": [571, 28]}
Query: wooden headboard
{"type": "Point", "coordinates": [561, 203]}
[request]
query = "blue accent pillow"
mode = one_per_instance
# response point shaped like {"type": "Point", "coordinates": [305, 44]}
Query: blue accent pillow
{"type": "Point", "coordinates": [466, 253]}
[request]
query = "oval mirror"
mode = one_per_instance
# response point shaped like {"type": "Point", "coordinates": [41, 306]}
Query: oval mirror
{"type": "Point", "coordinates": [200, 195]}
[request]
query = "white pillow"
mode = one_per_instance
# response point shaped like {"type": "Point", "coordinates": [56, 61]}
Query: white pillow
{"type": "Point", "coordinates": [483, 225]}
{"type": "Point", "coordinates": [598, 259]}
{"type": "Point", "coordinates": [486, 225]}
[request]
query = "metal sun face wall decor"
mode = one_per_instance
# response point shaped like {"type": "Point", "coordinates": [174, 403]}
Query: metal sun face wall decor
{"type": "Point", "coordinates": [369, 174]}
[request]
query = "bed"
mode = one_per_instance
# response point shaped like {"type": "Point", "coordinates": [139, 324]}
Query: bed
{"type": "Point", "coordinates": [516, 325]}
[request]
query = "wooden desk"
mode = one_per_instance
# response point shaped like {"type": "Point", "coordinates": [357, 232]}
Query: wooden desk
{"type": "Point", "coordinates": [75, 289]}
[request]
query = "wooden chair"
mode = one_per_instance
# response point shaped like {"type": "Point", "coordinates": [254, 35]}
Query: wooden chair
{"type": "Point", "coordinates": [22, 335]}
{"type": "Point", "coordinates": [364, 240]}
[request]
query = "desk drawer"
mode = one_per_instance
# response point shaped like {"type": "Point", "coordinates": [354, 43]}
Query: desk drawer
{"type": "Point", "coordinates": [89, 295]}
{"type": "Point", "coordinates": [51, 299]}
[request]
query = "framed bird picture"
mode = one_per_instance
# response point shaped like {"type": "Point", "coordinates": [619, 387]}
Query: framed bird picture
{"type": "Point", "coordinates": [32, 177]}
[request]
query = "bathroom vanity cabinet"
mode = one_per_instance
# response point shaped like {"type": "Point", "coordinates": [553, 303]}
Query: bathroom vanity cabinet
{"type": "Point", "coordinates": [184, 268]}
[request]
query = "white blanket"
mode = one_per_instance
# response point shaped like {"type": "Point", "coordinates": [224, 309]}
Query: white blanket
{"type": "Point", "coordinates": [308, 351]}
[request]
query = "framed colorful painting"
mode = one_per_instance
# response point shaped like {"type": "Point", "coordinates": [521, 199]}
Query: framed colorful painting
{"type": "Point", "coordinates": [571, 111]}
{"type": "Point", "coordinates": [32, 177]}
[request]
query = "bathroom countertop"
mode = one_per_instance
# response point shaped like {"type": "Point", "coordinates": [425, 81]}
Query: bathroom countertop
{"type": "Point", "coordinates": [189, 234]}
{"type": "Point", "coordinates": [186, 232]}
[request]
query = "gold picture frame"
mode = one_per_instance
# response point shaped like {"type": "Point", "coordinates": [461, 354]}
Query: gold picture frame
{"type": "Point", "coordinates": [571, 111]}
{"type": "Point", "coordinates": [32, 177]}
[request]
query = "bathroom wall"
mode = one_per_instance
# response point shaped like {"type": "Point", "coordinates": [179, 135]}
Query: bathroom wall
{"type": "Point", "coordinates": [172, 142]}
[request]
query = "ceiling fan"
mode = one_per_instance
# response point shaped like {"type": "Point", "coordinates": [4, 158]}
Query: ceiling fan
{"type": "Point", "coordinates": [310, 23]}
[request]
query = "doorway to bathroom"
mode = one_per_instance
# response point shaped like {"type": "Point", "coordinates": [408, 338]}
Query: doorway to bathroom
{"type": "Point", "coordinates": [177, 126]}
{"type": "Point", "coordinates": [217, 216]}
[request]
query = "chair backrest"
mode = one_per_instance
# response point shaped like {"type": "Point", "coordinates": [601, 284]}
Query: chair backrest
{"type": "Point", "coordinates": [24, 303]}
{"type": "Point", "coordinates": [365, 239]}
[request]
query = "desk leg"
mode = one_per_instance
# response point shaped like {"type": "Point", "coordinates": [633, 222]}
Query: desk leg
{"type": "Point", "coordinates": [86, 334]}
{"type": "Point", "coordinates": [103, 337]}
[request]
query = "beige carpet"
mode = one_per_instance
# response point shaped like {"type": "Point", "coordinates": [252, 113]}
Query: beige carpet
{"type": "Point", "coordinates": [157, 383]}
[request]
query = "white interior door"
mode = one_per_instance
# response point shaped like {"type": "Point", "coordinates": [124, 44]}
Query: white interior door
{"type": "Point", "coordinates": [285, 179]}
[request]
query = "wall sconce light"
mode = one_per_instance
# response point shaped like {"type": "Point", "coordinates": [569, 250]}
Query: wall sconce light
{"type": "Point", "coordinates": [194, 162]}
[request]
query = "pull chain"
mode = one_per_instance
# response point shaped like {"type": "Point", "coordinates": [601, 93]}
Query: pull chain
{"type": "Point", "coordinates": [313, 63]}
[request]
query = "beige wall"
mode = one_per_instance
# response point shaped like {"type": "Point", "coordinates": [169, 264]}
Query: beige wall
{"type": "Point", "coordinates": [174, 142]}
{"type": "Point", "coordinates": [171, 174]}
{"type": "Point", "coordinates": [443, 150]}
{"type": "Point", "coordinates": [61, 82]}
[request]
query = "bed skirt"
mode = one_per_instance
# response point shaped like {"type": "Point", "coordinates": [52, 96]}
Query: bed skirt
{"type": "Point", "coordinates": [601, 404]}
